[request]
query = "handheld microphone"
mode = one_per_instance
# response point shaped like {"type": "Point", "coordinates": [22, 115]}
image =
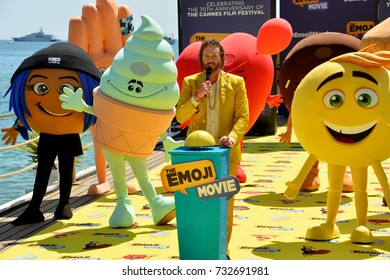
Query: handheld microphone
{"type": "Point", "coordinates": [208, 73]}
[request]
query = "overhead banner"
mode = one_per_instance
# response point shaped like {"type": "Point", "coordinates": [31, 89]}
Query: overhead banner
{"type": "Point", "coordinates": [384, 9]}
{"type": "Point", "coordinates": [308, 17]}
{"type": "Point", "coordinates": [204, 19]}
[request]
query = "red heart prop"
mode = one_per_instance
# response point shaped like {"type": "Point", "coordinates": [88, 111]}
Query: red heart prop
{"type": "Point", "coordinates": [258, 70]}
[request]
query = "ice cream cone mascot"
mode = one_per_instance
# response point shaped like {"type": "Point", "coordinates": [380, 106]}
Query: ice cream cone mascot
{"type": "Point", "coordinates": [34, 97]}
{"type": "Point", "coordinates": [340, 116]}
{"type": "Point", "coordinates": [134, 106]}
{"type": "Point", "coordinates": [102, 31]}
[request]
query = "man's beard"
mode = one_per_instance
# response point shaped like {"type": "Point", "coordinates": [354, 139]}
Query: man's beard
{"type": "Point", "coordinates": [215, 67]}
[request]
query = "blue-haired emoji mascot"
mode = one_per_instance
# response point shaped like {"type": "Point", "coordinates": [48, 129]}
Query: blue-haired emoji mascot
{"type": "Point", "coordinates": [34, 97]}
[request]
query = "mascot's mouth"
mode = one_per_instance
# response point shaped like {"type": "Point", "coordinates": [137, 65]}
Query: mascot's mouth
{"type": "Point", "coordinates": [350, 134]}
{"type": "Point", "coordinates": [140, 95]}
{"type": "Point", "coordinates": [51, 113]}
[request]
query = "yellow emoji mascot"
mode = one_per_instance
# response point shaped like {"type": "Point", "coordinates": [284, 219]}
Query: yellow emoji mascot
{"type": "Point", "coordinates": [345, 104]}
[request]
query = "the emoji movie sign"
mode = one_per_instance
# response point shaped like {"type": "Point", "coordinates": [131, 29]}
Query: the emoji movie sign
{"type": "Point", "coordinates": [179, 177]}
{"type": "Point", "coordinates": [223, 187]}
{"type": "Point", "coordinates": [200, 174]}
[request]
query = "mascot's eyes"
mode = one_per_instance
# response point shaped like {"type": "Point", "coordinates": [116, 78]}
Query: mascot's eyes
{"type": "Point", "coordinates": [60, 89]}
{"type": "Point", "coordinates": [40, 88]}
{"type": "Point", "coordinates": [333, 99]}
{"type": "Point", "coordinates": [137, 89]}
{"type": "Point", "coordinates": [366, 97]}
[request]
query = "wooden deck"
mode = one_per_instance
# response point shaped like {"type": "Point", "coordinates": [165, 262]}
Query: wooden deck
{"type": "Point", "coordinates": [267, 226]}
{"type": "Point", "coordinates": [10, 234]}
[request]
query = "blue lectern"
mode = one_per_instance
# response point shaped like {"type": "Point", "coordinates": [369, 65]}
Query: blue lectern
{"type": "Point", "coordinates": [201, 224]}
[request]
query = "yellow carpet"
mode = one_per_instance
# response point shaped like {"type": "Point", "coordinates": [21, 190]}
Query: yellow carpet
{"type": "Point", "coordinates": [266, 225]}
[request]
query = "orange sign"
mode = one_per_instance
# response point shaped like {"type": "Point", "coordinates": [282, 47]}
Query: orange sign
{"type": "Point", "coordinates": [359, 27]}
{"type": "Point", "coordinates": [200, 37]}
{"type": "Point", "coordinates": [179, 177]}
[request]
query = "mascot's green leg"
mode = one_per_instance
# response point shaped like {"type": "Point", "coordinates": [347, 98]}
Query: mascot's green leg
{"type": "Point", "coordinates": [123, 215]}
{"type": "Point", "coordinates": [163, 208]}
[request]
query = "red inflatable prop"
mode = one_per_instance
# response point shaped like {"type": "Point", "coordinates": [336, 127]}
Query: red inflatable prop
{"type": "Point", "coordinates": [269, 42]}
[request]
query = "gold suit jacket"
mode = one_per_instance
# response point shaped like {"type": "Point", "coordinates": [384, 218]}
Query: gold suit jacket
{"type": "Point", "coordinates": [233, 106]}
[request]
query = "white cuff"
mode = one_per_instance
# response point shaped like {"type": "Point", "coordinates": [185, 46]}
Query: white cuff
{"type": "Point", "coordinates": [194, 102]}
{"type": "Point", "coordinates": [233, 140]}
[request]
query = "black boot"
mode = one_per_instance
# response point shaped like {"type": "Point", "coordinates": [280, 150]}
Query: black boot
{"type": "Point", "coordinates": [29, 216]}
{"type": "Point", "coordinates": [63, 212]}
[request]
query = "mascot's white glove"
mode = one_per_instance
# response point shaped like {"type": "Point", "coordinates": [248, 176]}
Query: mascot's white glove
{"type": "Point", "coordinates": [74, 101]}
{"type": "Point", "coordinates": [170, 144]}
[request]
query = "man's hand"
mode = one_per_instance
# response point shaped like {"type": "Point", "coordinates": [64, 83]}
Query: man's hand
{"type": "Point", "coordinates": [102, 30]}
{"type": "Point", "coordinates": [226, 141]}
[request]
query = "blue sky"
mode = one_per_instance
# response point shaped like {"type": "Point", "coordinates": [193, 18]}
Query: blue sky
{"type": "Point", "coordinates": [21, 17]}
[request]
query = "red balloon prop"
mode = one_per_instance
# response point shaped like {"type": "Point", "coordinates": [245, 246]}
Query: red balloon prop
{"type": "Point", "coordinates": [274, 36]}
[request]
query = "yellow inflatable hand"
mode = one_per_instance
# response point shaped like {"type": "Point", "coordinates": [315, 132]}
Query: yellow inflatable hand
{"type": "Point", "coordinates": [102, 30]}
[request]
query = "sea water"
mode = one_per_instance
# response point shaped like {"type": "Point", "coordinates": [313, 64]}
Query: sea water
{"type": "Point", "coordinates": [11, 56]}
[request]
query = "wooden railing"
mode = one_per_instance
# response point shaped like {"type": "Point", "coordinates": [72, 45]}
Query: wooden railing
{"type": "Point", "coordinates": [172, 131]}
{"type": "Point", "coordinates": [53, 185]}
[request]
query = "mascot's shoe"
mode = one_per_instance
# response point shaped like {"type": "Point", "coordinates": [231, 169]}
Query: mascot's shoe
{"type": "Point", "coordinates": [123, 215]}
{"type": "Point", "coordinates": [362, 235]}
{"type": "Point", "coordinates": [99, 189]}
{"type": "Point", "coordinates": [63, 212]}
{"type": "Point", "coordinates": [131, 189]}
{"type": "Point", "coordinates": [163, 210]}
{"type": "Point", "coordinates": [325, 231]}
{"type": "Point", "coordinates": [29, 216]}
{"type": "Point", "coordinates": [312, 181]}
{"type": "Point", "coordinates": [347, 183]}
{"type": "Point", "coordinates": [241, 176]}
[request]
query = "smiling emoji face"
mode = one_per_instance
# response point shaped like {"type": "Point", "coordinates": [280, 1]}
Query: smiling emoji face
{"type": "Point", "coordinates": [341, 110]}
{"type": "Point", "coordinates": [42, 92]}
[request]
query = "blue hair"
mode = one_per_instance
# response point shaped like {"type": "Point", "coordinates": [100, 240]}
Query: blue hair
{"type": "Point", "coordinates": [17, 101]}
